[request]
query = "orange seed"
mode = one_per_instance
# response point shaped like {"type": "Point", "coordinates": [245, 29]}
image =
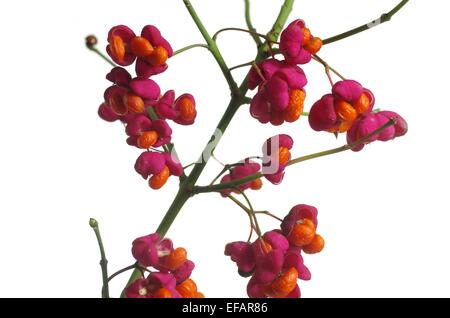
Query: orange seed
{"type": "Point", "coordinates": [314, 45]}
{"type": "Point", "coordinates": [159, 180]}
{"type": "Point", "coordinates": [306, 35]}
{"type": "Point", "coordinates": [158, 57]}
{"type": "Point", "coordinates": [362, 104]}
{"type": "Point", "coordinates": [187, 289]}
{"type": "Point", "coordinates": [283, 285]}
{"type": "Point", "coordinates": [302, 233]}
{"type": "Point", "coordinates": [256, 184]}
{"type": "Point", "coordinates": [187, 108]}
{"type": "Point", "coordinates": [134, 103]}
{"type": "Point", "coordinates": [175, 259]}
{"type": "Point", "coordinates": [162, 293]}
{"type": "Point", "coordinates": [295, 106]}
{"type": "Point", "coordinates": [283, 155]}
{"type": "Point", "coordinates": [140, 46]}
{"type": "Point", "coordinates": [266, 247]}
{"type": "Point", "coordinates": [147, 139]}
{"type": "Point", "coordinates": [345, 111]}
{"type": "Point", "coordinates": [117, 47]}
{"type": "Point", "coordinates": [316, 245]}
{"type": "Point", "coordinates": [345, 126]}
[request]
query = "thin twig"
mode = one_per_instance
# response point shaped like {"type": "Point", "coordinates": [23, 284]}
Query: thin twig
{"type": "Point", "coordinates": [235, 183]}
{"type": "Point", "coordinates": [103, 261]}
{"type": "Point", "coordinates": [123, 270]}
{"type": "Point", "coordinates": [382, 19]}
{"type": "Point", "coordinates": [241, 65]}
{"type": "Point", "coordinates": [328, 68]}
{"type": "Point", "coordinates": [243, 207]}
{"type": "Point", "coordinates": [269, 214]}
{"type": "Point", "coordinates": [252, 33]}
{"type": "Point", "coordinates": [102, 55]}
{"type": "Point", "coordinates": [189, 47]}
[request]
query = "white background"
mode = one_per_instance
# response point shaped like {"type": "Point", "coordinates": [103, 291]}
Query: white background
{"type": "Point", "coordinates": [384, 212]}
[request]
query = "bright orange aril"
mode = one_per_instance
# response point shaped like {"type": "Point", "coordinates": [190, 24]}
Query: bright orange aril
{"type": "Point", "coordinates": [302, 233]}
{"type": "Point", "coordinates": [345, 111]}
{"type": "Point", "coordinates": [266, 247]}
{"type": "Point", "coordinates": [333, 129]}
{"type": "Point", "coordinates": [162, 293]}
{"type": "Point", "coordinates": [283, 155]}
{"type": "Point", "coordinates": [175, 259]}
{"type": "Point", "coordinates": [345, 126]}
{"type": "Point", "coordinates": [256, 184]}
{"type": "Point", "coordinates": [314, 45]}
{"type": "Point", "coordinates": [362, 104]}
{"type": "Point", "coordinates": [316, 245]}
{"type": "Point", "coordinates": [117, 47]}
{"type": "Point", "coordinates": [147, 139]}
{"type": "Point", "coordinates": [284, 284]}
{"type": "Point", "coordinates": [134, 103]}
{"type": "Point", "coordinates": [187, 289]}
{"type": "Point", "coordinates": [199, 295]}
{"type": "Point", "coordinates": [295, 106]}
{"type": "Point", "coordinates": [159, 180]}
{"type": "Point", "coordinates": [158, 57]}
{"type": "Point", "coordinates": [187, 108]}
{"type": "Point", "coordinates": [308, 223]}
{"type": "Point", "coordinates": [140, 46]}
{"type": "Point", "coordinates": [306, 35]}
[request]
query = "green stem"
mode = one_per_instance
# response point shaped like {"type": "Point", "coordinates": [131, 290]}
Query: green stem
{"type": "Point", "coordinates": [189, 47]}
{"type": "Point", "coordinates": [250, 26]}
{"type": "Point", "coordinates": [247, 211]}
{"type": "Point", "coordinates": [102, 55]}
{"type": "Point", "coordinates": [237, 99]}
{"type": "Point", "coordinates": [189, 165]}
{"type": "Point", "coordinates": [213, 47]}
{"type": "Point", "coordinates": [103, 261]}
{"type": "Point", "coordinates": [252, 212]}
{"type": "Point", "coordinates": [382, 19]}
{"type": "Point", "coordinates": [285, 11]}
{"type": "Point", "coordinates": [236, 183]}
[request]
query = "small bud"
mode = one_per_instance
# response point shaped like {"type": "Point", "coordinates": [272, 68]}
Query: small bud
{"type": "Point", "coordinates": [93, 223]}
{"type": "Point", "coordinates": [91, 41]}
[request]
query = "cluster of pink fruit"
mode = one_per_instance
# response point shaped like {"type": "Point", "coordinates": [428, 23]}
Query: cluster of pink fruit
{"type": "Point", "coordinates": [133, 101]}
{"type": "Point", "coordinates": [274, 261]}
{"type": "Point", "coordinates": [172, 270]}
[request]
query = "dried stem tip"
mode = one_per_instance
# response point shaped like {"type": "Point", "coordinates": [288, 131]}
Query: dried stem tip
{"type": "Point", "coordinates": [91, 41]}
